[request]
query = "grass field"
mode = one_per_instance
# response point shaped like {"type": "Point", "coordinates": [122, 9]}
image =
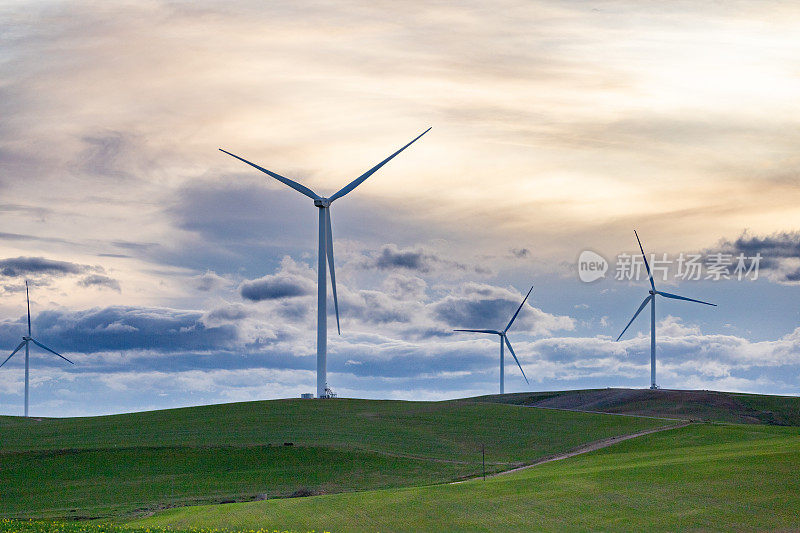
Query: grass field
{"type": "Point", "coordinates": [48, 526]}
{"type": "Point", "coordinates": [700, 477]}
{"type": "Point", "coordinates": [117, 466]}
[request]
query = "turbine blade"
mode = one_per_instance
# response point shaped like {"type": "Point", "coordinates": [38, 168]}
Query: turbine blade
{"type": "Point", "coordinates": [480, 331]}
{"type": "Point", "coordinates": [676, 297]}
{"type": "Point", "coordinates": [652, 284]}
{"type": "Point", "coordinates": [356, 182]}
{"type": "Point", "coordinates": [518, 310]}
{"type": "Point", "coordinates": [510, 349]}
{"type": "Point", "coordinates": [644, 303]}
{"type": "Point", "coordinates": [40, 345]}
{"type": "Point", "coordinates": [329, 233]}
{"type": "Point", "coordinates": [28, 298]}
{"type": "Point", "coordinates": [12, 353]}
{"type": "Point", "coordinates": [293, 184]}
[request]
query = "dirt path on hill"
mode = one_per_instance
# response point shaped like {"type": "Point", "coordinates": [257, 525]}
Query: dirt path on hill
{"type": "Point", "coordinates": [586, 448]}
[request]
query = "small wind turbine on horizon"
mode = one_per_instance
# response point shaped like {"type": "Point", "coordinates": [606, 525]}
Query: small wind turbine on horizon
{"type": "Point", "coordinates": [325, 251]}
{"type": "Point", "coordinates": [28, 339]}
{"type": "Point", "coordinates": [504, 341]}
{"type": "Point", "coordinates": [651, 299]}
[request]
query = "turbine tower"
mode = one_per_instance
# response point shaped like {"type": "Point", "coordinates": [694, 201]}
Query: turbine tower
{"type": "Point", "coordinates": [504, 341]}
{"type": "Point", "coordinates": [651, 299]}
{"type": "Point", "coordinates": [325, 251]}
{"type": "Point", "coordinates": [28, 339]}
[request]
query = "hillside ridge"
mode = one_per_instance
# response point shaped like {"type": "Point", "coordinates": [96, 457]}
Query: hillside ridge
{"type": "Point", "coordinates": [697, 405]}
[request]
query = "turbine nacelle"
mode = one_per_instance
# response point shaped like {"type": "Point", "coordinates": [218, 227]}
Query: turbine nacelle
{"type": "Point", "coordinates": [322, 202]}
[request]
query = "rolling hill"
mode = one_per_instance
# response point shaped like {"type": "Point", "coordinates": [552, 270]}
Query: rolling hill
{"type": "Point", "coordinates": [387, 465]}
{"type": "Point", "coordinates": [699, 405]}
{"type": "Point", "coordinates": [698, 477]}
{"type": "Point", "coordinates": [124, 465]}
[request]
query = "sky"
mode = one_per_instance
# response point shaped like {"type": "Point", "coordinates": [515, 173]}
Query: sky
{"type": "Point", "coordinates": [174, 275]}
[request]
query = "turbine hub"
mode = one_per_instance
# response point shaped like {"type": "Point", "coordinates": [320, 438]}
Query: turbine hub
{"type": "Point", "coordinates": [322, 202]}
{"type": "Point", "coordinates": [653, 292]}
{"type": "Point", "coordinates": [26, 338]}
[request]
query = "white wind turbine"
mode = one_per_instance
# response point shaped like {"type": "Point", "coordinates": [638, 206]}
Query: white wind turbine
{"type": "Point", "coordinates": [325, 250]}
{"type": "Point", "coordinates": [28, 339]}
{"type": "Point", "coordinates": [651, 299]}
{"type": "Point", "coordinates": [504, 341]}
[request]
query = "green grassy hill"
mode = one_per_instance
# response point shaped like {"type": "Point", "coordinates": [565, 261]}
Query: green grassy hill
{"type": "Point", "coordinates": [699, 477]}
{"type": "Point", "coordinates": [688, 404]}
{"type": "Point", "coordinates": [117, 466]}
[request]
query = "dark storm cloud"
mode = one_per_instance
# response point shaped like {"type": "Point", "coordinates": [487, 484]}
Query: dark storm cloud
{"type": "Point", "coordinates": [483, 306]}
{"type": "Point", "coordinates": [392, 257]}
{"type": "Point", "coordinates": [122, 328]}
{"type": "Point", "coordinates": [776, 246]}
{"type": "Point", "coordinates": [98, 280]}
{"type": "Point", "coordinates": [276, 287]}
{"type": "Point", "coordinates": [494, 312]}
{"type": "Point", "coordinates": [23, 266]}
{"type": "Point", "coordinates": [780, 253]}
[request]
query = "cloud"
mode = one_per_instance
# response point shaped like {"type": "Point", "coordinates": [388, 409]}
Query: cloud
{"type": "Point", "coordinates": [375, 307]}
{"type": "Point", "coordinates": [291, 281]}
{"type": "Point", "coordinates": [780, 254]}
{"type": "Point", "coordinates": [368, 365]}
{"type": "Point", "coordinates": [228, 313]}
{"type": "Point", "coordinates": [38, 266]}
{"type": "Point", "coordinates": [404, 306]}
{"type": "Point", "coordinates": [210, 281]}
{"type": "Point", "coordinates": [123, 328]}
{"type": "Point", "coordinates": [24, 237]}
{"type": "Point", "coordinates": [405, 287]}
{"type": "Point", "coordinates": [671, 326]}
{"type": "Point", "coordinates": [479, 305]}
{"type": "Point", "coordinates": [275, 287]}
{"type": "Point", "coordinates": [112, 155]}
{"type": "Point", "coordinates": [686, 358]}
{"type": "Point", "coordinates": [100, 281]}
{"type": "Point", "coordinates": [392, 257]}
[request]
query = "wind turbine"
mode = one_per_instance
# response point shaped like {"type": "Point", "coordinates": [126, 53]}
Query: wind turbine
{"type": "Point", "coordinates": [652, 300]}
{"type": "Point", "coordinates": [28, 339]}
{"type": "Point", "coordinates": [504, 341]}
{"type": "Point", "coordinates": [325, 250]}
